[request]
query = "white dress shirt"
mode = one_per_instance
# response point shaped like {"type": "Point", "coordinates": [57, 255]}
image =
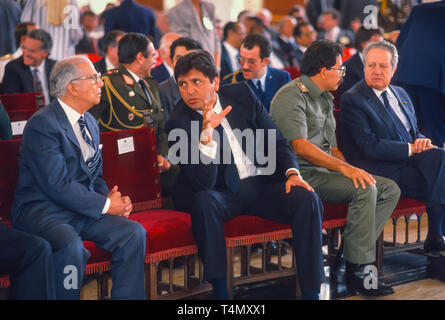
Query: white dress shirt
{"type": "Point", "coordinates": [233, 55]}
{"type": "Point", "coordinates": [263, 81]}
{"type": "Point", "coordinates": [87, 150]}
{"type": "Point", "coordinates": [109, 65]}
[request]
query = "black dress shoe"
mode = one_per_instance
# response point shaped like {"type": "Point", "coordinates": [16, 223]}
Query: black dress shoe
{"type": "Point", "coordinates": [435, 270]}
{"type": "Point", "coordinates": [356, 278]}
{"type": "Point", "coordinates": [434, 247]}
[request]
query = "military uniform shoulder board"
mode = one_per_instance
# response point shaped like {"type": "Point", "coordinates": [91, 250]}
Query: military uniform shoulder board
{"type": "Point", "coordinates": [112, 71]}
{"type": "Point", "coordinates": [128, 80]}
{"type": "Point", "coordinates": [302, 87]}
{"type": "Point", "coordinates": [6, 57]}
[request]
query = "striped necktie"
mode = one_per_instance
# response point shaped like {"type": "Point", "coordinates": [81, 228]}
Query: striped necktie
{"type": "Point", "coordinates": [92, 162]}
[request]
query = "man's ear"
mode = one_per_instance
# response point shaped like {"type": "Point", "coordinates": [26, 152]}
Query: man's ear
{"type": "Point", "coordinates": [46, 53]}
{"type": "Point", "coordinates": [216, 83]}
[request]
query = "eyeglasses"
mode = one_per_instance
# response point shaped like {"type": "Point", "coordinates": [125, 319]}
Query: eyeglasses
{"type": "Point", "coordinates": [96, 77]}
{"type": "Point", "coordinates": [342, 70]}
{"type": "Point", "coordinates": [250, 62]}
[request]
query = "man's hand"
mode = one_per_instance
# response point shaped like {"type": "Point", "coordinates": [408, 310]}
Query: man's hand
{"type": "Point", "coordinates": [357, 176]}
{"type": "Point", "coordinates": [210, 120]}
{"type": "Point", "coordinates": [163, 164]}
{"type": "Point", "coordinates": [119, 206]}
{"type": "Point", "coordinates": [296, 181]}
{"type": "Point", "coordinates": [420, 145]}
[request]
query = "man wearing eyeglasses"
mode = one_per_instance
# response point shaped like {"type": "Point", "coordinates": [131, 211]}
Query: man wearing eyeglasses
{"type": "Point", "coordinates": [303, 111]}
{"type": "Point", "coordinates": [262, 79]}
{"type": "Point", "coordinates": [30, 72]}
{"type": "Point", "coordinates": [61, 194]}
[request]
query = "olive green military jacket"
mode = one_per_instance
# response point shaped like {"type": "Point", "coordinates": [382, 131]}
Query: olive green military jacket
{"type": "Point", "coordinates": [123, 105]}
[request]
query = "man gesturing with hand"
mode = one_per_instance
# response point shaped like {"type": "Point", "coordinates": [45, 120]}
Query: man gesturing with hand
{"type": "Point", "coordinates": [61, 195]}
{"type": "Point", "coordinates": [231, 178]}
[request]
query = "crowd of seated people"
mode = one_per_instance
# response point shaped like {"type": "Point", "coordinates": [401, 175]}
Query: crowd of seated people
{"type": "Point", "coordinates": [235, 79]}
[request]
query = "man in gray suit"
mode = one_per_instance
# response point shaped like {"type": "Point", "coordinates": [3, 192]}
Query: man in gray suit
{"type": "Point", "coordinates": [168, 90]}
{"type": "Point", "coordinates": [196, 19]}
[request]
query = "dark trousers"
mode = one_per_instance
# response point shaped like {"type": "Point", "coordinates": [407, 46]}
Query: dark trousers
{"type": "Point", "coordinates": [65, 231]}
{"type": "Point", "coordinates": [29, 262]}
{"type": "Point", "coordinates": [423, 179]}
{"type": "Point", "coordinates": [266, 198]}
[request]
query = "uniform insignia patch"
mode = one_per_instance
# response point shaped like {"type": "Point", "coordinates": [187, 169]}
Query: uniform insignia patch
{"type": "Point", "coordinates": [129, 81]}
{"type": "Point", "coordinates": [131, 116]}
{"type": "Point", "coordinates": [131, 93]}
{"type": "Point", "coordinates": [302, 87]}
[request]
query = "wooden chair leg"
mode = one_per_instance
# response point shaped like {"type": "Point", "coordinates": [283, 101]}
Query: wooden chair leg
{"type": "Point", "coordinates": [230, 271]}
{"type": "Point", "coordinates": [151, 278]}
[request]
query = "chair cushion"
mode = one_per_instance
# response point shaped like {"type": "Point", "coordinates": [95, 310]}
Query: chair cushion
{"type": "Point", "coordinates": [407, 207]}
{"type": "Point", "coordinates": [4, 281]}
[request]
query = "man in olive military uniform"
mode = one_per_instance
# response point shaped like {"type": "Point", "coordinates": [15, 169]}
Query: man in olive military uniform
{"type": "Point", "coordinates": [303, 111]}
{"type": "Point", "coordinates": [130, 99]}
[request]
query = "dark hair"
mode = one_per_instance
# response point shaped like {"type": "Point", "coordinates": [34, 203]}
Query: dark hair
{"type": "Point", "coordinates": [256, 39]}
{"type": "Point", "coordinates": [200, 60]}
{"type": "Point", "coordinates": [335, 14]}
{"type": "Point", "coordinates": [21, 30]}
{"type": "Point", "coordinates": [186, 42]}
{"type": "Point", "coordinates": [297, 29]}
{"type": "Point", "coordinates": [229, 26]}
{"type": "Point", "coordinates": [110, 39]}
{"type": "Point", "coordinates": [364, 34]}
{"type": "Point", "coordinates": [321, 54]}
{"type": "Point", "coordinates": [43, 36]}
{"type": "Point", "coordinates": [88, 13]}
{"type": "Point", "coordinates": [130, 45]}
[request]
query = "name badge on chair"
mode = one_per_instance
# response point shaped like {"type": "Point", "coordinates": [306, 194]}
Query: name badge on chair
{"type": "Point", "coordinates": [125, 145]}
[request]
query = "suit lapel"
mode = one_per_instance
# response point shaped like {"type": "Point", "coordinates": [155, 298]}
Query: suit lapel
{"type": "Point", "coordinates": [28, 80]}
{"type": "Point", "coordinates": [66, 126]}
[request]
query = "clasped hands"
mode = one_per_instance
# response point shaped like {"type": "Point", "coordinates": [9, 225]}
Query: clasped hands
{"type": "Point", "coordinates": [420, 145]}
{"type": "Point", "coordinates": [119, 205]}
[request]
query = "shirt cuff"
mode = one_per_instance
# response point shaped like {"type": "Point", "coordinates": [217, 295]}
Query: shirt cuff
{"type": "Point", "coordinates": [107, 206]}
{"type": "Point", "coordinates": [209, 149]}
{"type": "Point", "coordinates": [293, 169]}
{"type": "Point", "coordinates": [409, 150]}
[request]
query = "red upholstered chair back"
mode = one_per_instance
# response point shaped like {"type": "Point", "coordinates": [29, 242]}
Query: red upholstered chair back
{"type": "Point", "coordinates": [293, 72]}
{"type": "Point", "coordinates": [20, 101]}
{"type": "Point", "coordinates": [135, 173]}
{"type": "Point", "coordinates": [18, 120]}
{"type": "Point", "coordinates": [9, 153]}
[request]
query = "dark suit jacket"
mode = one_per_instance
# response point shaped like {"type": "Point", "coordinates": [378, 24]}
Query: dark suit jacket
{"type": "Point", "coordinates": [18, 77]}
{"type": "Point", "coordinates": [275, 79]}
{"type": "Point", "coordinates": [226, 64]}
{"type": "Point", "coordinates": [100, 66]}
{"type": "Point", "coordinates": [160, 73]}
{"type": "Point", "coordinates": [53, 176]}
{"type": "Point", "coordinates": [421, 45]}
{"type": "Point", "coordinates": [5, 124]}
{"type": "Point", "coordinates": [247, 113]}
{"type": "Point", "coordinates": [170, 96]}
{"type": "Point", "coordinates": [345, 37]}
{"type": "Point", "coordinates": [84, 45]}
{"type": "Point", "coordinates": [354, 73]}
{"type": "Point", "coordinates": [131, 17]}
{"type": "Point", "coordinates": [369, 139]}
{"type": "Point", "coordinates": [287, 51]}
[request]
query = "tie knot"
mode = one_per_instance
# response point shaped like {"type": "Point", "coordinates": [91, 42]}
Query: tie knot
{"type": "Point", "coordinates": [81, 121]}
{"type": "Point", "coordinates": [141, 83]}
{"type": "Point", "coordinates": [258, 84]}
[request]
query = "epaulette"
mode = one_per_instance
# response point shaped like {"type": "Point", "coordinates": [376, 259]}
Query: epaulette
{"type": "Point", "coordinates": [301, 85]}
{"type": "Point", "coordinates": [112, 71]}
{"type": "Point", "coordinates": [233, 76]}
{"type": "Point", "coordinates": [6, 57]}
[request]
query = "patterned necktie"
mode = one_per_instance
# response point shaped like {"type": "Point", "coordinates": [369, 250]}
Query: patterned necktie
{"type": "Point", "coordinates": [36, 81]}
{"type": "Point", "coordinates": [401, 129]}
{"type": "Point", "coordinates": [93, 161]}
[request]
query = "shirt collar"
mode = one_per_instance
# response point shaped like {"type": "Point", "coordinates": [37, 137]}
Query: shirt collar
{"type": "Point", "coordinates": [41, 68]}
{"type": "Point", "coordinates": [170, 71]}
{"type": "Point", "coordinates": [109, 65]}
{"type": "Point", "coordinates": [378, 93]}
{"type": "Point", "coordinates": [262, 79]}
{"type": "Point", "coordinates": [73, 115]}
{"type": "Point", "coordinates": [134, 75]}
{"type": "Point", "coordinates": [231, 49]}
{"type": "Point", "coordinates": [217, 108]}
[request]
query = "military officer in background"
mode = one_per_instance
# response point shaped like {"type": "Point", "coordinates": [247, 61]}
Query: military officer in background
{"type": "Point", "coordinates": [130, 99]}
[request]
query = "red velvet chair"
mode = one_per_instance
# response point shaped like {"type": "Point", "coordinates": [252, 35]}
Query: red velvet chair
{"type": "Point", "coordinates": [293, 72]}
{"type": "Point", "coordinates": [18, 120]}
{"type": "Point", "coordinates": [20, 101]}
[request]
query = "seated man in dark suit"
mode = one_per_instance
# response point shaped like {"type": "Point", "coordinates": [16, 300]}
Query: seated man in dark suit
{"type": "Point", "coordinates": [164, 71]}
{"type": "Point", "coordinates": [30, 72]}
{"type": "Point", "coordinates": [110, 47]}
{"type": "Point", "coordinates": [233, 35]}
{"type": "Point", "coordinates": [168, 90]}
{"type": "Point", "coordinates": [285, 44]}
{"type": "Point", "coordinates": [61, 195]}
{"type": "Point", "coordinates": [254, 59]}
{"type": "Point", "coordinates": [380, 134]}
{"type": "Point", "coordinates": [329, 21]}
{"type": "Point", "coordinates": [89, 43]}
{"type": "Point", "coordinates": [28, 261]}
{"type": "Point", "coordinates": [215, 189]}
{"type": "Point", "coordinates": [354, 65]}
{"type": "Point", "coordinates": [304, 35]}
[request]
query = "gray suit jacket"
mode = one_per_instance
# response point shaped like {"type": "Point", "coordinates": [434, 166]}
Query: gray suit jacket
{"type": "Point", "coordinates": [170, 96]}
{"type": "Point", "coordinates": [184, 20]}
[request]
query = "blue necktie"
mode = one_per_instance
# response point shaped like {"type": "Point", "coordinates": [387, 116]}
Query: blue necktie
{"type": "Point", "coordinates": [94, 161]}
{"type": "Point", "coordinates": [401, 129]}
